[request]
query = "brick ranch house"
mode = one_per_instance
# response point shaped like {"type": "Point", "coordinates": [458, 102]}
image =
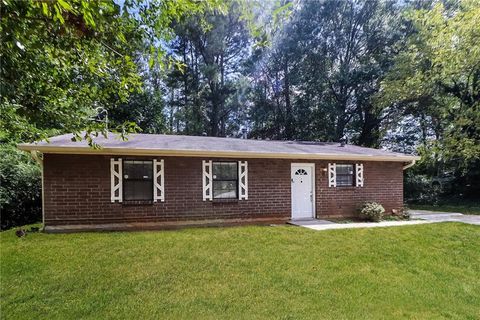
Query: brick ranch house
{"type": "Point", "coordinates": [159, 181]}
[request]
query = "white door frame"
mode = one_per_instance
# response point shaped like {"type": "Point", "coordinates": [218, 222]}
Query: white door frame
{"type": "Point", "coordinates": [312, 166]}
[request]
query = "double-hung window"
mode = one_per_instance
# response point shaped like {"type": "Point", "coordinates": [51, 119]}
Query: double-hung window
{"type": "Point", "coordinates": [225, 180]}
{"type": "Point", "coordinates": [138, 180]}
{"type": "Point", "coordinates": [345, 175]}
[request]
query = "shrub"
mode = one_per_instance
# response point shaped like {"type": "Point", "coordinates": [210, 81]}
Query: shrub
{"type": "Point", "coordinates": [405, 213]}
{"type": "Point", "coordinates": [20, 188]}
{"type": "Point", "coordinates": [372, 211]}
{"type": "Point", "coordinates": [421, 189]}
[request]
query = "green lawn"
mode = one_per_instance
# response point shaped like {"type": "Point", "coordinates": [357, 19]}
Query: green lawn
{"type": "Point", "coordinates": [415, 272]}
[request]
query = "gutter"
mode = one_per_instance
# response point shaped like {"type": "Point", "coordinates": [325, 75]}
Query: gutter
{"type": "Point", "coordinates": [411, 164]}
{"type": "Point", "coordinates": [212, 153]}
{"type": "Point", "coordinates": [37, 156]}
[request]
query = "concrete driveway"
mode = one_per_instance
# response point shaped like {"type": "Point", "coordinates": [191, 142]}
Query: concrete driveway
{"type": "Point", "coordinates": [434, 216]}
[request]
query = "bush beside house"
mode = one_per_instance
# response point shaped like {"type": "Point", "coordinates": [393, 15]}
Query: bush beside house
{"type": "Point", "coordinates": [372, 211]}
{"type": "Point", "coordinates": [20, 188]}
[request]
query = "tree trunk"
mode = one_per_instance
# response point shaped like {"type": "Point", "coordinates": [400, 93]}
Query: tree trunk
{"type": "Point", "coordinates": [185, 89]}
{"type": "Point", "coordinates": [222, 95]}
{"type": "Point", "coordinates": [214, 114]}
{"type": "Point", "coordinates": [288, 105]}
{"type": "Point", "coordinates": [172, 97]}
{"type": "Point", "coordinates": [340, 127]}
{"type": "Point", "coordinates": [370, 135]}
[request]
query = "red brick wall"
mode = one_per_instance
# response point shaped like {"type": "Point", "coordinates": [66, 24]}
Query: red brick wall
{"type": "Point", "coordinates": [77, 191]}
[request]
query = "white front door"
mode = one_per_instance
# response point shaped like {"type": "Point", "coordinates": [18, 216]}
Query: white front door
{"type": "Point", "coordinates": [303, 177]}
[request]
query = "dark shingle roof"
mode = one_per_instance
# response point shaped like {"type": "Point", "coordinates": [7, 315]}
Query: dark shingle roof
{"type": "Point", "coordinates": [153, 144]}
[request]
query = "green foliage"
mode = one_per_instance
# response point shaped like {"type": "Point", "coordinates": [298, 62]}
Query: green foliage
{"type": "Point", "coordinates": [65, 62]}
{"type": "Point", "coordinates": [372, 211]}
{"type": "Point", "coordinates": [203, 96]}
{"type": "Point", "coordinates": [437, 77]}
{"type": "Point", "coordinates": [145, 110]}
{"type": "Point", "coordinates": [419, 188]}
{"type": "Point", "coordinates": [62, 62]}
{"type": "Point", "coordinates": [20, 188]}
{"type": "Point", "coordinates": [77, 66]}
{"type": "Point", "coordinates": [323, 66]}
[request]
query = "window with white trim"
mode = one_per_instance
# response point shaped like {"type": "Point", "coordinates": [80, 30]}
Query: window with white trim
{"type": "Point", "coordinates": [138, 180]}
{"type": "Point", "coordinates": [225, 180]}
{"type": "Point", "coordinates": [345, 176]}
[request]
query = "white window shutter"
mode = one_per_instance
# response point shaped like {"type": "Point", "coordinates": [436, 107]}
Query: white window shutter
{"type": "Point", "coordinates": [359, 174]}
{"type": "Point", "coordinates": [242, 180]}
{"type": "Point", "coordinates": [158, 180]}
{"type": "Point", "coordinates": [116, 187]}
{"type": "Point", "coordinates": [332, 175]}
{"type": "Point", "coordinates": [207, 180]}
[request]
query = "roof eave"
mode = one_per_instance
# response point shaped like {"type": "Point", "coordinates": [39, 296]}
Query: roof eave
{"type": "Point", "coordinates": [203, 153]}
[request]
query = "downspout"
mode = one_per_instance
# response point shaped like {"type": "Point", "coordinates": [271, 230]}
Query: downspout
{"type": "Point", "coordinates": [410, 164]}
{"type": "Point", "coordinates": [37, 156]}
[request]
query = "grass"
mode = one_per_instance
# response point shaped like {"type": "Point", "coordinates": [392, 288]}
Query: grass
{"type": "Point", "coordinates": [465, 207]}
{"type": "Point", "coordinates": [415, 272]}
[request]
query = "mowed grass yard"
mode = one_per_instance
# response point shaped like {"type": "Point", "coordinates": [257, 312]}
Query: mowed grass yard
{"type": "Point", "coordinates": [285, 272]}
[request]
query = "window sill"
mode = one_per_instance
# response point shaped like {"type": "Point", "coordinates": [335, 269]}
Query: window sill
{"type": "Point", "coordinates": [137, 202]}
{"type": "Point", "coordinates": [235, 200]}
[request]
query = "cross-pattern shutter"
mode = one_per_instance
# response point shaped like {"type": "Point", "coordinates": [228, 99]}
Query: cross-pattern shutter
{"type": "Point", "coordinates": [242, 180]}
{"type": "Point", "coordinates": [158, 180]}
{"type": "Point", "coordinates": [359, 174]}
{"type": "Point", "coordinates": [332, 175]}
{"type": "Point", "coordinates": [116, 188]}
{"type": "Point", "coordinates": [207, 180]}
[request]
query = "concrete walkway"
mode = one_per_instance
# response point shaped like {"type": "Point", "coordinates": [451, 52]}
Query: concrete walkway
{"type": "Point", "coordinates": [418, 216]}
{"type": "Point", "coordinates": [315, 224]}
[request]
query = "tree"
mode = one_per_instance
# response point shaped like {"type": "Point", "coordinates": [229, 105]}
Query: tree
{"type": "Point", "coordinates": [76, 66]}
{"type": "Point", "coordinates": [65, 62]}
{"type": "Point", "coordinates": [437, 78]}
{"type": "Point", "coordinates": [20, 189]}
{"type": "Point", "coordinates": [271, 68]}
{"type": "Point", "coordinates": [212, 47]}
{"type": "Point", "coordinates": [325, 65]}
{"type": "Point", "coordinates": [61, 63]}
